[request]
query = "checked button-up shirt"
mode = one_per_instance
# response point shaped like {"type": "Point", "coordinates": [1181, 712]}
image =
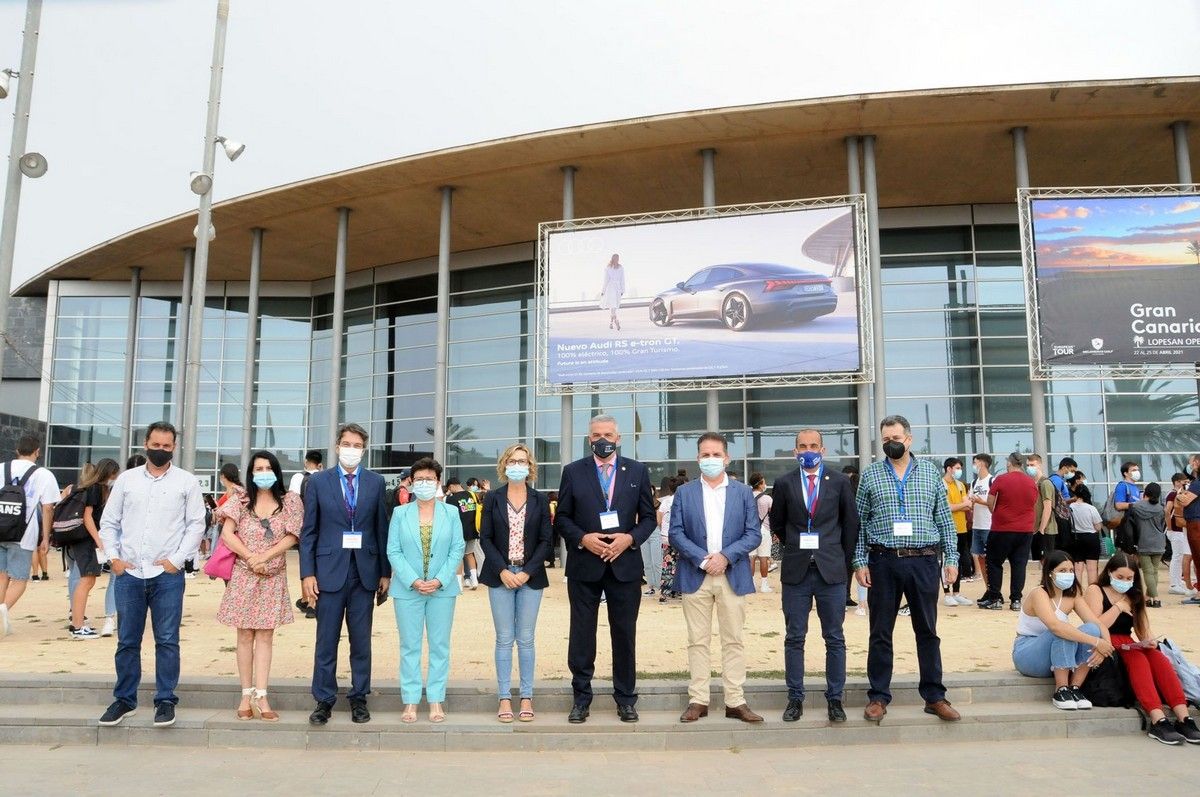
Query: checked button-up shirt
{"type": "Point", "coordinates": [924, 505]}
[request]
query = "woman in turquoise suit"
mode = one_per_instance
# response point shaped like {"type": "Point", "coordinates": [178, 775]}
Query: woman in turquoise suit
{"type": "Point", "coordinates": [425, 546]}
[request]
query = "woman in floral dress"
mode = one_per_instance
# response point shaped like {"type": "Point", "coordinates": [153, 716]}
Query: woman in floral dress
{"type": "Point", "coordinates": [258, 525]}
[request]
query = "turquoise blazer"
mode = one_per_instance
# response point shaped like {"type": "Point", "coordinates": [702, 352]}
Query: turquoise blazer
{"type": "Point", "coordinates": [404, 551]}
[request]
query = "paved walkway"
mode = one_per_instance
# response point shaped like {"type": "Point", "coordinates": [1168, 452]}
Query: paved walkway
{"type": "Point", "coordinates": [977, 769]}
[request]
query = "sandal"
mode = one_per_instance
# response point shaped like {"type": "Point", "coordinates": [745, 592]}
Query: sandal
{"type": "Point", "coordinates": [502, 715]}
{"type": "Point", "coordinates": [526, 714]}
{"type": "Point", "coordinates": [436, 715]}
{"type": "Point", "coordinates": [247, 713]}
{"type": "Point", "coordinates": [265, 716]}
{"type": "Point", "coordinates": [410, 714]}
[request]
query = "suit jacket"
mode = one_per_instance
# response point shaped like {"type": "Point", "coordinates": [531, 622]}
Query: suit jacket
{"type": "Point", "coordinates": [741, 533]}
{"type": "Point", "coordinates": [407, 559]}
{"type": "Point", "coordinates": [493, 538]}
{"type": "Point", "coordinates": [580, 502]}
{"type": "Point", "coordinates": [326, 519]}
{"type": "Point", "coordinates": [836, 524]}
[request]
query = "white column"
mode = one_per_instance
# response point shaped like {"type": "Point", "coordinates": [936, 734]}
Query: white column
{"type": "Point", "coordinates": [566, 435]}
{"type": "Point", "coordinates": [131, 335]}
{"type": "Point", "coordinates": [256, 244]}
{"type": "Point", "coordinates": [440, 375]}
{"type": "Point", "coordinates": [183, 317]}
{"type": "Point", "coordinates": [871, 189]}
{"type": "Point", "coordinates": [862, 401]}
{"type": "Point", "coordinates": [712, 414]}
{"type": "Point", "coordinates": [339, 326]}
{"type": "Point", "coordinates": [1037, 388]}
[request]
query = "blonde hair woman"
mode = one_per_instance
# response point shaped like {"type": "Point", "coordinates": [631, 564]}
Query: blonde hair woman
{"type": "Point", "coordinates": [516, 538]}
{"type": "Point", "coordinates": [612, 290]}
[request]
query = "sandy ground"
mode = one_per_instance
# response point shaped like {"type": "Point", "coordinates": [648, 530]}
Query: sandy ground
{"type": "Point", "coordinates": [973, 640]}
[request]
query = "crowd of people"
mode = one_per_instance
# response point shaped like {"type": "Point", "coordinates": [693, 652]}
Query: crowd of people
{"type": "Point", "coordinates": [905, 531]}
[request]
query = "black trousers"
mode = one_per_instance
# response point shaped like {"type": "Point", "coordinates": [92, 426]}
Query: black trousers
{"type": "Point", "coordinates": [916, 579]}
{"type": "Point", "coordinates": [966, 565]}
{"type": "Point", "coordinates": [1012, 547]}
{"type": "Point", "coordinates": [624, 601]}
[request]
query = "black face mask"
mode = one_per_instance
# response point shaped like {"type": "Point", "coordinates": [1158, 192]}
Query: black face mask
{"type": "Point", "coordinates": [158, 457]}
{"type": "Point", "coordinates": [894, 449]}
{"type": "Point", "coordinates": [603, 448]}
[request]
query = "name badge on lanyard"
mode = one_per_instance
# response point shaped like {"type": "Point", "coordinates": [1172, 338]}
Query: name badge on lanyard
{"type": "Point", "coordinates": [352, 539]}
{"type": "Point", "coordinates": [902, 527]}
{"type": "Point", "coordinates": [810, 540]}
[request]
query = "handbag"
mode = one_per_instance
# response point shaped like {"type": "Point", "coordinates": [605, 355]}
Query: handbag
{"type": "Point", "coordinates": [1109, 548]}
{"type": "Point", "coordinates": [1112, 516]}
{"type": "Point", "coordinates": [220, 564]}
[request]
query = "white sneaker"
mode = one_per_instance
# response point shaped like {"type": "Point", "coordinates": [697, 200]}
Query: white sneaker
{"type": "Point", "coordinates": [189, 575]}
{"type": "Point", "coordinates": [961, 601]}
{"type": "Point", "coordinates": [1178, 589]}
{"type": "Point", "coordinates": [949, 601]}
{"type": "Point", "coordinates": [84, 633]}
{"type": "Point", "coordinates": [110, 625]}
{"type": "Point", "coordinates": [5, 625]}
{"type": "Point", "coordinates": [861, 611]}
{"type": "Point", "coordinates": [766, 587]}
{"type": "Point", "coordinates": [771, 568]}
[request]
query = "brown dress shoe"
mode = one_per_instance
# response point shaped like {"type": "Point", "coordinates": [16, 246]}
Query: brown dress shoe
{"type": "Point", "coordinates": [742, 713]}
{"type": "Point", "coordinates": [874, 711]}
{"type": "Point", "coordinates": [693, 712]}
{"type": "Point", "coordinates": [943, 711]}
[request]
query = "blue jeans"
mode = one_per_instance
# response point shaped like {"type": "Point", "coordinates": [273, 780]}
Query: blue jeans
{"type": "Point", "coordinates": [831, 610]}
{"type": "Point", "coordinates": [1038, 656]}
{"type": "Point", "coordinates": [162, 596]}
{"type": "Point", "coordinates": [514, 614]}
{"type": "Point", "coordinates": [110, 596]}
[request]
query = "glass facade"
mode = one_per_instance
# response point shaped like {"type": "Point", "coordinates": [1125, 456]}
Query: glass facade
{"type": "Point", "coordinates": [956, 360]}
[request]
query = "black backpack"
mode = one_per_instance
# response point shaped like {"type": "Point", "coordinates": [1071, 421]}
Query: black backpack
{"type": "Point", "coordinates": [12, 505]}
{"type": "Point", "coordinates": [304, 485]}
{"type": "Point", "coordinates": [68, 520]}
{"type": "Point", "coordinates": [1108, 684]}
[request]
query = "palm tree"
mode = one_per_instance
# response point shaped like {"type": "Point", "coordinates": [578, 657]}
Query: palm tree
{"type": "Point", "coordinates": [1193, 248]}
{"type": "Point", "coordinates": [1171, 421]}
{"type": "Point", "coordinates": [454, 432]}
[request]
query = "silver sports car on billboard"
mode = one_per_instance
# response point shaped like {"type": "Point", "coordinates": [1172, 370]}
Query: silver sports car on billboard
{"type": "Point", "coordinates": [741, 295]}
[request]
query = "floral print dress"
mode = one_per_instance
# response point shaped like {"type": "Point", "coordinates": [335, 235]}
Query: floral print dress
{"type": "Point", "coordinates": [252, 600]}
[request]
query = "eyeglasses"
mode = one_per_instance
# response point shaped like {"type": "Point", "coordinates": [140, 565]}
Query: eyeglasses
{"type": "Point", "coordinates": [425, 481]}
{"type": "Point", "coordinates": [518, 462]}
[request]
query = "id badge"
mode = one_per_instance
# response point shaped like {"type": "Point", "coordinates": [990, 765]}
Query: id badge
{"type": "Point", "coordinates": [902, 528]}
{"type": "Point", "coordinates": [809, 541]}
{"type": "Point", "coordinates": [609, 520]}
{"type": "Point", "coordinates": [352, 539]}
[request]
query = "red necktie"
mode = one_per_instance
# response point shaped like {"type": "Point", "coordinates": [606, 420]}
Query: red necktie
{"type": "Point", "coordinates": [812, 489]}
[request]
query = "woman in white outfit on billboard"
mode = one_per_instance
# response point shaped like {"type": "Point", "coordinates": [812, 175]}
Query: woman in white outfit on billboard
{"type": "Point", "coordinates": [613, 290]}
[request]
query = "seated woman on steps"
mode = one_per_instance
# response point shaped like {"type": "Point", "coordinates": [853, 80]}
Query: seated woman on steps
{"type": "Point", "coordinates": [1047, 644]}
{"type": "Point", "coordinates": [1117, 598]}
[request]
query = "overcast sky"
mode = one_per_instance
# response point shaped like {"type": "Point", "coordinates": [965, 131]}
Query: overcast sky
{"type": "Point", "coordinates": [316, 86]}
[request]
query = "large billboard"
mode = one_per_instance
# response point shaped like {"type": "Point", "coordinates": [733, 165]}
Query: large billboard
{"type": "Point", "coordinates": [740, 295]}
{"type": "Point", "coordinates": [1114, 276]}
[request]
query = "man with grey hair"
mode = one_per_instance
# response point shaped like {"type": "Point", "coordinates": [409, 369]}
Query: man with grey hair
{"type": "Point", "coordinates": [906, 526]}
{"type": "Point", "coordinates": [605, 512]}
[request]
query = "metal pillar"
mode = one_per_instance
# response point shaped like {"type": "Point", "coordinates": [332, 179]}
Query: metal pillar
{"type": "Point", "coordinates": [12, 192]}
{"type": "Point", "coordinates": [566, 434]}
{"type": "Point", "coordinates": [256, 243]}
{"type": "Point", "coordinates": [443, 328]}
{"type": "Point", "coordinates": [1183, 159]}
{"type": "Point", "coordinates": [339, 325]}
{"type": "Point", "coordinates": [862, 401]}
{"type": "Point", "coordinates": [871, 189]}
{"type": "Point", "coordinates": [131, 336]}
{"type": "Point", "coordinates": [191, 390]}
{"type": "Point", "coordinates": [712, 409]}
{"type": "Point", "coordinates": [182, 323]}
{"type": "Point", "coordinates": [1037, 388]}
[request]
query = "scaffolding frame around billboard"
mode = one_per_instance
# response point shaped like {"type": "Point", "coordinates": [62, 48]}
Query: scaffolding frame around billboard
{"type": "Point", "coordinates": [1039, 369]}
{"type": "Point", "coordinates": [857, 203]}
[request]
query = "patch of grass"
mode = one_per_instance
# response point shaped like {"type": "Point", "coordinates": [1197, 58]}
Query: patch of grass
{"type": "Point", "coordinates": [670, 675]}
{"type": "Point", "coordinates": [774, 674]}
{"type": "Point", "coordinates": [769, 634]}
{"type": "Point", "coordinates": [228, 649]}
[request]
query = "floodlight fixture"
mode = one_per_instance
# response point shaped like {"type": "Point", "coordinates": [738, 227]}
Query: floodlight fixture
{"type": "Point", "coordinates": [233, 149]}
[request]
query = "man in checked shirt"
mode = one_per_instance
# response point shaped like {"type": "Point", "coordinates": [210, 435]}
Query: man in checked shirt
{"type": "Point", "coordinates": [907, 531]}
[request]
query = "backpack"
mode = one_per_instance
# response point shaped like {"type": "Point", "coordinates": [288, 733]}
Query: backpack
{"type": "Point", "coordinates": [1108, 684]}
{"type": "Point", "coordinates": [762, 516]}
{"type": "Point", "coordinates": [304, 485]}
{"type": "Point", "coordinates": [1189, 674]}
{"type": "Point", "coordinates": [68, 520]}
{"type": "Point", "coordinates": [12, 505]}
{"type": "Point", "coordinates": [1112, 516]}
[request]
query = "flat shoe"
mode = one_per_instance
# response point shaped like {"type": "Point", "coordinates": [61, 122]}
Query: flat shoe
{"type": "Point", "coordinates": [409, 716]}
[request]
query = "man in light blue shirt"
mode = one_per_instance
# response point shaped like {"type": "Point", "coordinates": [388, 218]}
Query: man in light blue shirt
{"type": "Point", "coordinates": [152, 524]}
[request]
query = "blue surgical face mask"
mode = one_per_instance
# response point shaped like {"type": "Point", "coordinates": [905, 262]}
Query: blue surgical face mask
{"type": "Point", "coordinates": [974, 468]}
{"type": "Point", "coordinates": [1064, 580]}
{"type": "Point", "coordinates": [472, 489]}
{"type": "Point", "coordinates": [264, 480]}
{"type": "Point", "coordinates": [1121, 586]}
{"type": "Point", "coordinates": [809, 459]}
{"type": "Point", "coordinates": [1031, 470]}
{"type": "Point", "coordinates": [1070, 475]}
{"type": "Point", "coordinates": [958, 473]}
{"type": "Point", "coordinates": [424, 490]}
{"type": "Point", "coordinates": [712, 467]}
{"type": "Point", "coordinates": [516, 473]}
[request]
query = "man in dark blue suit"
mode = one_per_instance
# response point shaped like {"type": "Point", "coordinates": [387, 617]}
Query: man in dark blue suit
{"type": "Point", "coordinates": [343, 566]}
{"type": "Point", "coordinates": [715, 528]}
{"type": "Point", "coordinates": [605, 513]}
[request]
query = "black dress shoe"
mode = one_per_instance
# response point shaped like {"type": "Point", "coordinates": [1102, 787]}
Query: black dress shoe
{"type": "Point", "coordinates": [578, 715]}
{"type": "Point", "coordinates": [794, 711]}
{"type": "Point", "coordinates": [359, 712]}
{"type": "Point", "coordinates": [836, 712]}
{"type": "Point", "coordinates": [627, 714]}
{"type": "Point", "coordinates": [321, 714]}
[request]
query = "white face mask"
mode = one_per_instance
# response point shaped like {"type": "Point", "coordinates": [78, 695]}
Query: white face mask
{"type": "Point", "coordinates": [349, 457]}
{"type": "Point", "coordinates": [1135, 475]}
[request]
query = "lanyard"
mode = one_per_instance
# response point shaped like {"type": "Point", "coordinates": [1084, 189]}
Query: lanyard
{"type": "Point", "coordinates": [900, 483]}
{"type": "Point", "coordinates": [810, 501]}
{"type": "Point", "coordinates": [606, 484]}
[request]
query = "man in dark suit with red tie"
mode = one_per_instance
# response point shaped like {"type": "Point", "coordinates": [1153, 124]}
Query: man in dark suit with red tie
{"type": "Point", "coordinates": [813, 514]}
{"type": "Point", "coordinates": [605, 513]}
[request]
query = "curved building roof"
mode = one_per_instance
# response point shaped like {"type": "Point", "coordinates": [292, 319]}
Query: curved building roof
{"type": "Point", "coordinates": [937, 147]}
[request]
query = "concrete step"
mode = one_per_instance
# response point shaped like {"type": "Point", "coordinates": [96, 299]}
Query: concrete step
{"type": "Point", "coordinates": [477, 697]}
{"type": "Point", "coordinates": [465, 731]}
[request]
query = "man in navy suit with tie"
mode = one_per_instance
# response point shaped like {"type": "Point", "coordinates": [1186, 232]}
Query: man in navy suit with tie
{"type": "Point", "coordinates": [813, 514]}
{"type": "Point", "coordinates": [343, 566]}
{"type": "Point", "coordinates": [715, 528]}
{"type": "Point", "coordinates": [605, 513]}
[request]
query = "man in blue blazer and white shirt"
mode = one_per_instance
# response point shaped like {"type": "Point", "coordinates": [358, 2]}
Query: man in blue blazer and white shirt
{"type": "Point", "coordinates": [605, 512]}
{"type": "Point", "coordinates": [343, 566]}
{"type": "Point", "coordinates": [715, 528]}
